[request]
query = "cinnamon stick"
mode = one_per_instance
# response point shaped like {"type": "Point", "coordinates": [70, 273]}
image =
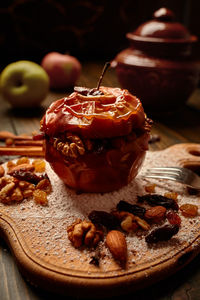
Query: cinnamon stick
{"type": "Point", "coordinates": [9, 135]}
{"type": "Point", "coordinates": [24, 151]}
{"type": "Point", "coordinates": [28, 143]}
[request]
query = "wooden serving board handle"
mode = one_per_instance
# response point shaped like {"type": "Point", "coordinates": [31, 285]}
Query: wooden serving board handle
{"type": "Point", "coordinates": [38, 239]}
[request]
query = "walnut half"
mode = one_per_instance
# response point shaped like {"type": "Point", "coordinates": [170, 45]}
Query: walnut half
{"type": "Point", "coordinates": [84, 233]}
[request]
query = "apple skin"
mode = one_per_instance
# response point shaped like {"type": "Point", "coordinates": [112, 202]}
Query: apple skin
{"type": "Point", "coordinates": [24, 84]}
{"type": "Point", "coordinates": [63, 69]}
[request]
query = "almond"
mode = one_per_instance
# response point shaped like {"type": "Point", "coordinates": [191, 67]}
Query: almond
{"type": "Point", "coordinates": [116, 243]}
{"type": "Point", "coordinates": [155, 214]}
{"type": "Point", "coordinates": [23, 167]}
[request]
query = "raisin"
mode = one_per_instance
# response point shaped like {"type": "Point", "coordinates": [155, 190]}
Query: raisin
{"type": "Point", "coordinates": [162, 234]}
{"type": "Point", "coordinates": [189, 210]}
{"type": "Point", "coordinates": [173, 218]}
{"type": "Point", "coordinates": [132, 208]}
{"type": "Point", "coordinates": [39, 165]}
{"type": "Point", "coordinates": [28, 176]}
{"type": "Point", "coordinates": [40, 197]}
{"type": "Point", "coordinates": [155, 200]}
{"type": "Point", "coordinates": [104, 218]}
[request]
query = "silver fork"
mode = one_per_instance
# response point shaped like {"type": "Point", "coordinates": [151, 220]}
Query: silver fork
{"type": "Point", "coordinates": [179, 174]}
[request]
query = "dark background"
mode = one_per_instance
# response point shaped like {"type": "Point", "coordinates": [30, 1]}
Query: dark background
{"type": "Point", "coordinates": [88, 29]}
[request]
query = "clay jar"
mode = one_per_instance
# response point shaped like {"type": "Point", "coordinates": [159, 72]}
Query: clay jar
{"type": "Point", "coordinates": [159, 67]}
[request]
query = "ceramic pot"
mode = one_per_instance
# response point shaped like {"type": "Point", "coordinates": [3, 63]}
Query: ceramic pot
{"type": "Point", "coordinates": [159, 67]}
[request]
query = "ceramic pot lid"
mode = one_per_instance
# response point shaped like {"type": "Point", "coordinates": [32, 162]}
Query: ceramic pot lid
{"type": "Point", "coordinates": [163, 28]}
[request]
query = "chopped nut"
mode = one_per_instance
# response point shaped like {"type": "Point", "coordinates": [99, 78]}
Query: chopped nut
{"type": "Point", "coordinates": [21, 167]}
{"type": "Point", "coordinates": [84, 233]}
{"type": "Point", "coordinates": [142, 223]}
{"type": "Point", "coordinates": [27, 193]}
{"type": "Point", "coordinates": [116, 243]}
{"type": "Point", "coordinates": [23, 184]}
{"type": "Point", "coordinates": [23, 160]}
{"type": "Point", "coordinates": [155, 214]}
{"type": "Point", "coordinates": [7, 186]}
{"type": "Point", "coordinates": [16, 195]}
{"type": "Point", "coordinates": [2, 171]}
{"type": "Point", "coordinates": [150, 188]}
{"type": "Point", "coordinates": [44, 185]}
{"type": "Point", "coordinates": [40, 197]}
{"type": "Point", "coordinates": [128, 224]}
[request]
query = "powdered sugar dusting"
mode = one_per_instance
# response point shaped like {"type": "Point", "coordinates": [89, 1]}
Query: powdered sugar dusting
{"type": "Point", "coordinates": [43, 229]}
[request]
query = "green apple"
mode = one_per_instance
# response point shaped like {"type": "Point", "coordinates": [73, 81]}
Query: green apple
{"type": "Point", "coordinates": [24, 84]}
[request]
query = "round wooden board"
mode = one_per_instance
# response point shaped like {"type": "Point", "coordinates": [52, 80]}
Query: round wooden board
{"type": "Point", "coordinates": [38, 239]}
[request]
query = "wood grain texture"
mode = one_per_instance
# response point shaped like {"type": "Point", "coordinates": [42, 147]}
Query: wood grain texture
{"type": "Point", "coordinates": [182, 128]}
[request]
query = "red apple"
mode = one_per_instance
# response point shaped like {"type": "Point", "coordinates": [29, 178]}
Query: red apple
{"type": "Point", "coordinates": [63, 69]}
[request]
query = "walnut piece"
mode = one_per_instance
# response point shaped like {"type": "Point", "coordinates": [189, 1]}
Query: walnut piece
{"type": "Point", "coordinates": [84, 233]}
{"type": "Point", "coordinates": [72, 148]}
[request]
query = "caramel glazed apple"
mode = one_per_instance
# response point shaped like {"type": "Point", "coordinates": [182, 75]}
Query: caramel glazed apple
{"type": "Point", "coordinates": [96, 139]}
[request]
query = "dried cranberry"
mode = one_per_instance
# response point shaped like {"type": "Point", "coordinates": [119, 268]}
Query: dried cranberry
{"type": "Point", "coordinates": [173, 218]}
{"type": "Point", "coordinates": [162, 234]}
{"type": "Point", "coordinates": [155, 200]}
{"type": "Point", "coordinates": [103, 218]}
{"type": "Point", "coordinates": [132, 208]}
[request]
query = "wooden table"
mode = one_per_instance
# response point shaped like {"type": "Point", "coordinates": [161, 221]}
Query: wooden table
{"type": "Point", "coordinates": [184, 127]}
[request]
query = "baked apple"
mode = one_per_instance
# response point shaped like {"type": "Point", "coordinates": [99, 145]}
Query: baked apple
{"type": "Point", "coordinates": [96, 139]}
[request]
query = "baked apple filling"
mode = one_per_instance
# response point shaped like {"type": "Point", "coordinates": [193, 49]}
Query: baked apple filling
{"type": "Point", "coordinates": [96, 139]}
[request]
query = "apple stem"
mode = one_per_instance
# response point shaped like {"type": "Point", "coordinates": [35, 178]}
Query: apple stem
{"type": "Point", "coordinates": [106, 66]}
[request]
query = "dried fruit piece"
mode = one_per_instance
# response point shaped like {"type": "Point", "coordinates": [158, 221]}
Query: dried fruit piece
{"type": "Point", "coordinates": [164, 233]}
{"type": "Point", "coordinates": [116, 243]}
{"type": "Point", "coordinates": [40, 197]}
{"type": "Point", "coordinates": [171, 195]}
{"type": "Point", "coordinates": [44, 185]}
{"type": "Point", "coordinates": [10, 164]}
{"type": "Point", "coordinates": [155, 200]}
{"type": "Point", "coordinates": [2, 171]}
{"type": "Point", "coordinates": [104, 218]}
{"type": "Point", "coordinates": [23, 160]}
{"type": "Point", "coordinates": [39, 165]}
{"type": "Point", "coordinates": [189, 210]}
{"type": "Point", "coordinates": [132, 208]}
{"type": "Point", "coordinates": [84, 233]}
{"type": "Point", "coordinates": [28, 176]}
{"type": "Point", "coordinates": [155, 214]}
{"type": "Point", "coordinates": [173, 218]}
{"type": "Point", "coordinates": [150, 188]}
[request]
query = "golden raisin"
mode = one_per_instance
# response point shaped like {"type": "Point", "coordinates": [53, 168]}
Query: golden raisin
{"type": "Point", "coordinates": [44, 185]}
{"type": "Point", "coordinates": [23, 160]}
{"type": "Point", "coordinates": [40, 197]}
{"type": "Point", "coordinates": [171, 195]}
{"type": "Point", "coordinates": [39, 165]}
{"type": "Point", "coordinates": [150, 188]}
{"type": "Point", "coordinates": [10, 164]}
{"type": "Point", "coordinates": [189, 210]}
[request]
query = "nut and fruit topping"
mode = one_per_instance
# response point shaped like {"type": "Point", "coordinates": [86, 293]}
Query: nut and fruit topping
{"type": "Point", "coordinates": [189, 210]}
{"type": "Point", "coordinates": [155, 200]}
{"type": "Point", "coordinates": [28, 176]}
{"type": "Point", "coordinates": [39, 165]}
{"type": "Point", "coordinates": [23, 160]}
{"type": "Point", "coordinates": [116, 243]}
{"type": "Point", "coordinates": [132, 208]}
{"type": "Point", "coordinates": [163, 233]}
{"type": "Point", "coordinates": [21, 168]}
{"type": "Point", "coordinates": [84, 233]}
{"type": "Point", "coordinates": [40, 197]}
{"type": "Point", "coordinates": [104, 218]}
